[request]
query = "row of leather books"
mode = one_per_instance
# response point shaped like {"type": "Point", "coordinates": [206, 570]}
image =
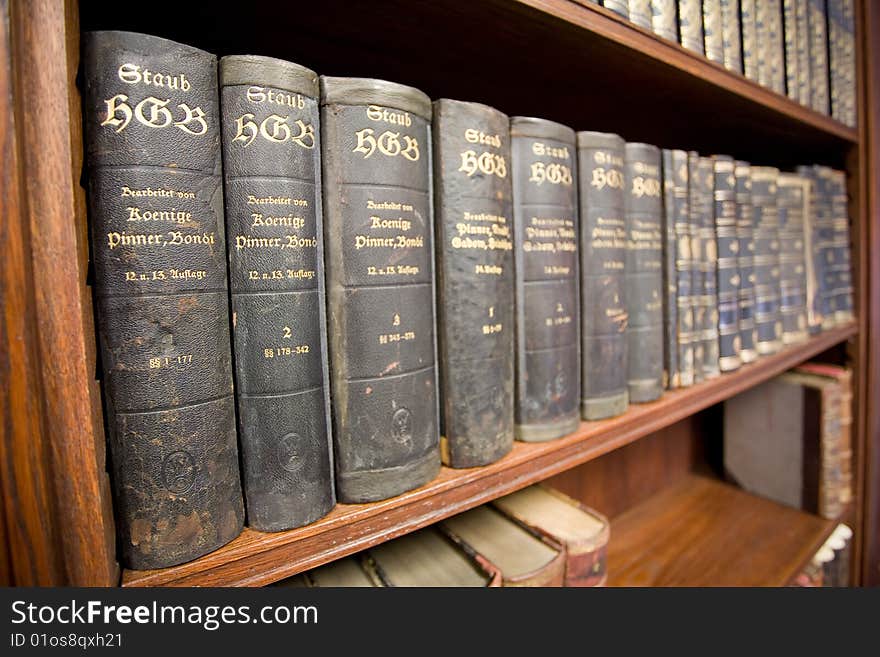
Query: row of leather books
{"type": "Point", "coordinates": [754, 259]}
{"type": "Point", "coordinates": [790, 439]}
{"type": "Point", "coordinates": [339, 284]}
{"type": "Point", "coordinates": [804, 49]}
{"type": "Point", "coordinates": [535, 537]}
{"type": "Point", "coordinates": [830, 566]}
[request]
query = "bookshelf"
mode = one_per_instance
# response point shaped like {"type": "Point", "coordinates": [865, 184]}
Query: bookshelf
{"type": "Point", "coordinates": [57, 518]}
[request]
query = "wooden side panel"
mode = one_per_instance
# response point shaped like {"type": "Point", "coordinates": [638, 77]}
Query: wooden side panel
{"type": "Point", "coordinates": [65, 478]}
{"type": "Point", "coordinates": [869, 236]}
{"type": "Point", "coordinates": [628, 476]}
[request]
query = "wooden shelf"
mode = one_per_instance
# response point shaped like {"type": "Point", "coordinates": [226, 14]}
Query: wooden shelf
{"type": "Point", "coordinates": [701, 532]}
{"type": "Point", "coordinates": [256, 558]}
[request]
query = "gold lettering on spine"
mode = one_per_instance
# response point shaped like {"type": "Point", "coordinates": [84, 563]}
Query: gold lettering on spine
{"type": "Point", "coordinates": [153, 112]}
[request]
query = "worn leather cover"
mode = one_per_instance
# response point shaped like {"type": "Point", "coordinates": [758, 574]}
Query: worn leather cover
{"type": "Point", "coordinates": [712, 36]}
{"type": "Point", "coordinates": [745, 260]}
{"type": "Point", "coordinates": [841, 265]}
{"type": "Point", "coordinates": [272, 172]}
{"type": "Point", "coordinates": [671, 204]}
{"type": "Point", "coordinates": [802, 48]}
{"type": "Point", "coordinates": [475, 286]}
{"type": "Point", "coordinates": [685, 268]}
{"type": "Point", "coordinates": [640, 13]}
{"type": "Point", "coordinates": [793, 300]}
{"type": "Point", "coordinates": [768, 321]}
{"type": "Point", "coordinates": [690, 25]}
{"type": "Point", "coordinates": [643, 210]}
{"type": "Point", "coordinates": [152, 145]}
{"type": "Point", "coordinates": [790, 40]}
{"type": "Point", "coordinates": [603, 264]}
{"type": "Point", "coordinates": [749, 29]}
{"type": "Point", "coordinates": [817, 19]}
{"type": "Point", "coordinates": [376, 150]}
{"type": "Point", "coordinates": [727, 241]}
{"type": "Point", "coordinates": [819, 236]}
{"type": "Point", "coordinates": [543, 159]}
{"type": "Point", "coordinates": [708, 265]}
{"type": "Point", "coordinates": [664, 21]}
{"type": "Point", "coordinates": [730, 35]}
{"type": "Point", "coordinates": [585, 552]}
{"type": "Point", "coordinates": [696, 203]}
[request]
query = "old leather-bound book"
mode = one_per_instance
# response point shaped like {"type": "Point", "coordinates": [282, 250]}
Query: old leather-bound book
{"type": "Point", "coordinates": [523, 557]}
{"type": "Point", "coordinates": [745, 261]}
{"type": "Point", "coordinates": [727, 241]}
{"type": "Point", "coordinates": [676, 173]}
{"type": "Point", "coordinates": [429, 558]}
{"type": "Point", "coordinates": [783, 441]}
{"type": "Point", "coordinates": [696, 210]}
{"type": "Point", "coordinates": [802, 51]}
{"type": "Point", "coordinates": [603, 263]}
{"type": "Point", "coordinates": [731, 35]}
{"type": "Point", "coordinates": [671, 203]}
{"type": "Point", "coordinates": [643, 210]}
{"type": "Point", "coordinates": [664, 21]}
{"type": "Point", "coordinates": [841, 265]}
{"type": "Point", "coordinates": [543, 157]}
{"type": "Point", "coordinates": [790, 39]}
{"type": "Point", "coordinates": [619, 7]}
{"type": "Point", "coordinates": [768, 323]}
{"type": "Point", "coordinates": [152, 122]}
{"type": "Point", "coordinates": [749, 29]}
{"type": "Point", "coordinates": [640, 13]}
{"type": "Point", "coordinates": [376, 148]}
{"type": "Point", "coordinates": [690, 25]}
{"type": "Point", "coordinates": [791, 204]}
{"type": "Point", "coordinates": [818, 250]}
{"type": "Point", "coordinates": [272, 171]}
{"type": "Point", "coordinates": [712, 35]}
{"type": "Point", "coordinates": [817, 21]}
{"type": "Point", "coordinates": [708, 264]}
{"type": "Point", "coordinates": [582, 531]}
{"type": "Point", "coordinates": [475, 282]}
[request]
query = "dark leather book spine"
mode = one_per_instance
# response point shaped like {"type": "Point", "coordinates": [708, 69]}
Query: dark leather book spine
{"type": "Point", "coordinates": [762, 41]}
{"type": "Point", "coordinates": [731, 35]}
{"type": "Point", "coordinates": [602, 264]}
{"type": "Point", "coordinates": [745, 260]}
{"type": "Point", "coordinates": [712, 31]}
{"type": "Point", "coordinates": [671, 370]}
{"type": "Point", "coordinates": [835, 57]}
{"type": "Point", "coordinates": [684, 268]}
{"type": "Point", "coordinates": [709, 269]}
{"type": "Point", "coordinates": [848, 35]}
{"type": "Point", "coordinates": [690, 25]}
{"type": "Point", "coordinates": [475, 285]}
{"type": "Point", "coordinates": [727, 240]}
{"type": "Point", "coordinates": [272, 174]}
{"type": "Point", "coordinates": [749, 29]}
{"type": "Point", "coordinates": [640, 13]}
{"type": "Point", "coordinates": [793, 296]}
{"type": "Point", "coordinates": [619, 7]}
{"type": "Point", "coordinates": [822, 244]}
{"type": "Point", "coordinates": [376, 155]}
{"type": "Point", "coordinates": [818, 49]}
{"type": "Point", "coordinates": [767, 273]}
{"type": "Point", "coordinates": [777, 47]}
{"type": "Point", "coordinates": [545, 228]}
{"type": "Point", "coordinates": [842, 265]}
{"type": "Point", "coordinates": [643, 210]}
{"type": "Point", "coordinates": [789, 24]}
{"type": "Point", "coordinates": [152, 139]}
{"type": "Point", "coordinates": [812, 261]}
{"type": "Point", "coordinates": [663, 19]}
{"type": "Point", "coordinates": [695, 205]}
{"type": "Point", "coordinates": [802, 51]}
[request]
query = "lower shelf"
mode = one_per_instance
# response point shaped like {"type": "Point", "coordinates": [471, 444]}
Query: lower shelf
{"type": "Point", "coordinates": [256, 558]}
{"type": "Point", "coordinates": [701, 532]}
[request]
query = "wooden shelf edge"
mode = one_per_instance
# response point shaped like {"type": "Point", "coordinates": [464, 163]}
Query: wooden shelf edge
{"type": "Point", "coordinates": [608, 25]}
{"type": "Point", "coordinates": [256, 558]}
